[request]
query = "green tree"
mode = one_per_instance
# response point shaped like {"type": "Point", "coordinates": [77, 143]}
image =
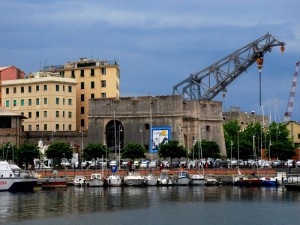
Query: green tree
{"type": "Point", "coordinates": [94, 151]}
{"type": "Point", "coordinates": [172, 149]}
{"type": "Point", "coordinates": [133, 151]}
{"type": "Point", "coordinates": [58, 150]}
{"type": "Point", "coordinates": [26, 153]}
{"type": "Point", "coordinates": [210, 149]}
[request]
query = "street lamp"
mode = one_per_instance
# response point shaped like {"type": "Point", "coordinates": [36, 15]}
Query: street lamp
{"type": "Point", "coordinates": [231, 144]}
{"type": "Point", "coordinates": [120, 130]}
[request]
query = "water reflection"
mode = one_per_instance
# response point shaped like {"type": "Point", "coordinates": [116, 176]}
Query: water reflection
{"type": "Point", "coordinates": [79, 201]}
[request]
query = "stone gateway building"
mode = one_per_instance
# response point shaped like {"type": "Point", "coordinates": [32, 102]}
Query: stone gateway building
{"type": "Point", "coordinates": [151, 120]}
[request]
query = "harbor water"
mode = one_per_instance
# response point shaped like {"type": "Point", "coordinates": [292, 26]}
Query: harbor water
{"type": "Point", "coordinates": [152, 205]}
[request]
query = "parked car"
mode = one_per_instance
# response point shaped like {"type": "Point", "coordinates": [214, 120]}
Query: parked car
{"type": "Point", "coordinates": [165, 164]}
{"type": "Point", "coordinates": [153, 164]}
{"type": "Point", "coordinates": [298, 163]}
{"type": "Point", "coordinates": [145, 164]}
{"type": "Point", "coordinates": [86, 164]}
{"type": "Point", "coordinates": [66, 163]}
{"type": "Point", "coordinates": [290, 163]}
{"type": "Point", "coordinates": [113, 163]}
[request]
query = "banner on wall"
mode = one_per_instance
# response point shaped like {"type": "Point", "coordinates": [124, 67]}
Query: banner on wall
{"type": "Point", "coordinates": [159, 136]}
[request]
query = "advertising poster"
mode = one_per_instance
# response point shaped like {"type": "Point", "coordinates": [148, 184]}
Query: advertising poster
{"type": "Point", "coordinates": [159, 135]}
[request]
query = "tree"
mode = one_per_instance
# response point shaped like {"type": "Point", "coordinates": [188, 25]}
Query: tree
{"type": "Point", "coordinates": [172, 149]}
{"type": "Point", "coordinates": [94, 151]}
{"type": "Point", "coordinates": [210, 149]}
{"type": "Point", "coordinates": [58, 150]}
{"type": "Point", "coordinates": [26, 153]}
{"type": "Point", "coordinates": [133, 151]}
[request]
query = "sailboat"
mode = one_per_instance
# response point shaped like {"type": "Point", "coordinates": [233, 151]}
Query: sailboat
{"type": "Point", "coordinates": [198, 178]}
{"type": "Point", "coordinates": [114, 180]}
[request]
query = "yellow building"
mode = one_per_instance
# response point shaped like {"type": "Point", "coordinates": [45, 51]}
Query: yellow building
{"type": "Point", "coordinates": [46, 99]}
{"type": "Point", "coordinates": [95, 79]}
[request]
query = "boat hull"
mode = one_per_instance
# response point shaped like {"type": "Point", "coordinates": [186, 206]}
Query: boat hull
{"type": "Point", "coordinates": [18, 184]}
{"type": "Point", "coordinates": [53, 182]}
{"type": "Point", "coordinates": [114, 181]}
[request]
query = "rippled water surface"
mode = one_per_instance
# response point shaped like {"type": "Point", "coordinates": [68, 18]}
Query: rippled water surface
{"type": "Point", "coordinates": [152, 205]}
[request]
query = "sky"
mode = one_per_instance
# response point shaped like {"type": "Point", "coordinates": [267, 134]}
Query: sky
{"type": "Point", "coordinates": [158, 44]}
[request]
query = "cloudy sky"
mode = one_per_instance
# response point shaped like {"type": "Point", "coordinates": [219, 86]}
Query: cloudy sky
{"type": "Point", "coordinates": [159, 43]}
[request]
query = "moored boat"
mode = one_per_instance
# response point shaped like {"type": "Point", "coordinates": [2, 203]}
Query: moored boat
{"type": "Point", "coordinates": [268, 181]}
{"type": "Point", "coordinates": [249, 182]}
{"type": "Point", "coordinates": [114, 180]}
{"type": "Point", "coordinates": [164, 178]}
{"type": "Point", "coordinates": [151, 180]}
{"type": "Point", "coordinates": [181, 178]}
{"type": "Point", "coordinates": [211, 181]}
{"type": "Point", "coordinates": [80, 181]}
{"type": "Point", "coordinates": [96, 180]}
{"type": "Point", "coordinates": [15, 181]}
{"type": "Point", "coordinates": [134, 179]}
{"type": "Point", "coordinates": [197, 179]}
{"type": "Point", "coordinates": [53, 182]}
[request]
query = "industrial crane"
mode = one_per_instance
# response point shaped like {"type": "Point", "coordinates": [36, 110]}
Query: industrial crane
{"type": "Point", "coordinates": [289, 110]}
{"type": "Point", "coordinates": [209, 82]}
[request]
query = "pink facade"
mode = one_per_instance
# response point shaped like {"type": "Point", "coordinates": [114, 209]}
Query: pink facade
{"type": "Point", "coordinates": [11, 73]}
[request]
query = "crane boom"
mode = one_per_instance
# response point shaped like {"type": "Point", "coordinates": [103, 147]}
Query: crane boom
{"type": "Point", "coordinates": [289, 110]}
{"type": "Point", "coordinates": [209, 82]}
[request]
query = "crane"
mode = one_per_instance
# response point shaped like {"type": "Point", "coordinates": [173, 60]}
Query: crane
{"type": "Point", "coordinates": [289, 110]}
{"type": "Point", "coordinates": [209, 82]}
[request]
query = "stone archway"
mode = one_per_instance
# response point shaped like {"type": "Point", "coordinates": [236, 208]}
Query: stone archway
{"type": "Point", "coordinates": [114, 136]}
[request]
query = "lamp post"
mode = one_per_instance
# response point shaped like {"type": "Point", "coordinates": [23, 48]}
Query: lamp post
{"type": "Point", "coordinates": [231, 144]}
{"type": "Point", "coordinates": [120, 130]}
{"type": "Point", "coordinates": [254, 152]}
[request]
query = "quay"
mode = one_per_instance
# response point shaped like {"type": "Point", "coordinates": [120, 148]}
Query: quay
{"type": "Point", "coordinates": [224, 175]}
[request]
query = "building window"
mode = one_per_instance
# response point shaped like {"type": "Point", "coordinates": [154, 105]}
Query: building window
{"type": "Point", "coordinates": [57, 101]}
{"type": "Point", "coordinates": [45, 101]}
{"type": "Point", "coordinates": [29, 127]}
{"type": "Point", "coordinates": [57, 87]}
{"type": "Point", "coordinates": [92, 95]}
{"type": "Point", "coordinates": [73, 74]}
{"type": "Point", "coordinates": [15, 102]}
{"type": "Point", "coordinates": [7, 91]}
{"type": "Point", "coordinates": [103, 95]}
{"type": "Point", "coordinates": [15, 90]}
{"type": "Point", "coordinates": [45, 114]}
{"type": "Point", "coordinates": [70, 88]}
{"type": "Point", "coordinates": [63, 114]}
{"type": "Point", "coordinates": [70, 114]}
{"type": "Point", "coordinates": [69, 101]}
{"type": "Point", "coordinates": [103, 70]}
{"type": "Point", "coordinates": [57, 126]}
{"type": "Point", "coordinates": [29, 89]}
{"type": "Point", "coordinates": [69, 127]}
{"type": "Point", "coordinates": [92, 72]}
{"type": "Point", "coordinates": [63, 101]}
{"type": "Point", "coordinates": [57, 113]}
{"type": "Point", "coordinates": [45, 87]}
{"type": "Point", "coordinates": [29, 101]}
{"type": "Point", "coordinates": [22, 89]}
{"type": "Point", "coordinates": [22, 102]}
{"type": "Point", "coordinates": [63, 88]}
{"type": "Point", "coordinates": [29, 115]}
{"type": "Point", "coordinates": [37, 127]}
{"type": "Point", "coordinates": [37, 101]}
{"type": "Point", "coordinates": [92, 84]}
{"type": "Point", "coordinates": [103, 83]}
{"type": "Point", "coordinates": [82, 122]}
{"type": "Point", "coordinates": [82, 110]}
{"type": "Point", "coordinates": [37, 88]}
{"type": "Point", "coordinates": [82, 97]}
{"type": "Point", "coordinates": [7, 103]}
{"type": "Point", "coordinates": [82, 85]}
{"type": "Point", "coordinates": [37, 114]}
{"type": "Point", "coordinates": [82, 73]}
{"type": "Point", "coordinates": [22, 113]}
{"type": "Point", "coordinates": [62, 73]}
{"type": "Point", "coordinates": [45, 127]}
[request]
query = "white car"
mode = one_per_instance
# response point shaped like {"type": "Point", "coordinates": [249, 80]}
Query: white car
{"type": "Point", "coordinates": [144, 164]}
{"type": "Point", "coordinates": [298, 163]}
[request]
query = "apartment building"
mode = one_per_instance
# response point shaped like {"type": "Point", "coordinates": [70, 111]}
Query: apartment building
{"type": "Point", "coordinates": [95, 79]}
{"type": "Point", "coordinates": [46, 99]}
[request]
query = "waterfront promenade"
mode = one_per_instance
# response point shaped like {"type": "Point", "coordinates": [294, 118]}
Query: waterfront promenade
{"type": "Point", "coordinates": [225, 174]}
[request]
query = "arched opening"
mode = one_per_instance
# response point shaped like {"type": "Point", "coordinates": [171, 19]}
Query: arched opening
{"type": "Point", "coordinates": [114, 137]}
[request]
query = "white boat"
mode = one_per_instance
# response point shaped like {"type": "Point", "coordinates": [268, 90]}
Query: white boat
{"type": "Point", "coordinates": [96, 180]}
{"type": "Point", "coordinates": [134, 179]}
{"type": "Point", "coordinates": [80, 181]}
{"type": "Point", "coordinates": [15, 181]}
{"type": "Point", "coordinates": [114, 180]}
{"type": "Point", "coordinates": [164, 178]}
{"type": "Point", "coordinates": [197, 179]}
{"type": "Point", "coordinates": [151, 180]}
{"type": "Point", "coordinates": [181, 178]}
{"type": "Point", "coordinates": [211, 181]}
